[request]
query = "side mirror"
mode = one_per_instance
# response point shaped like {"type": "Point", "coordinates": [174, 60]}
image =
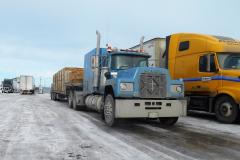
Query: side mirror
{"type": "Point", "coordinates": [216, 70]}
{"type": "Point", "coordinates": [107, 75]}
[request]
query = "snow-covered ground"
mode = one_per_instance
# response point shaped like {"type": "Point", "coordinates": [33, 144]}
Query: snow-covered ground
{"type": "Point", "coordinates": [32, 127]}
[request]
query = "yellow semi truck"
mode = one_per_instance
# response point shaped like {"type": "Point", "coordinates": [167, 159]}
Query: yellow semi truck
{"type": "Point", "coordinates": [209, 66]}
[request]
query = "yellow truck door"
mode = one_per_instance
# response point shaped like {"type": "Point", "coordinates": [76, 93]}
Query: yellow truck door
{"type": "Point", "coordinates": [208, 79]}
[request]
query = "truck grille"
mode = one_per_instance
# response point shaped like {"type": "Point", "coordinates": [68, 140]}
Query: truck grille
{"type": "Point", "coordinates": [153, 85]}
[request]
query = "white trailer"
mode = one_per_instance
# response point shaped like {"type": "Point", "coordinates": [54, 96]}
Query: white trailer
{"type": "Point", "coordinates": [26, 84]}
{"type": "Point", "coordinates": [155, 48]}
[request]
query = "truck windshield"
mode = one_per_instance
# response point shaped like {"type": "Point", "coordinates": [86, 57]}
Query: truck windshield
{"type": "Point", "coordinates": [7, 82]}
{"type": "Point", "coordinates": [128, 61]}
{"type": "Point", "coordinates": [229, 60]}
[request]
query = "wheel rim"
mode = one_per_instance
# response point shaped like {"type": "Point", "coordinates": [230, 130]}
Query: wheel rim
{"type": "Point", "coordinates": [108, 111]}
{"type": "Point", "coordinates": [226, 109]}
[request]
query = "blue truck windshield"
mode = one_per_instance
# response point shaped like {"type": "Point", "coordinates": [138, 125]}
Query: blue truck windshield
{"type": "Point", "coordinates": [229, 60]}
{"type": "Point", "coordinates": [128, 61]}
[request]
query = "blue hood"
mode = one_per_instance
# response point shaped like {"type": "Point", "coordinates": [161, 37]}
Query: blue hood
{"type": "Point", "coordinates": [133, 72]}
{"type": "Point", "coordinates": [132, 76]}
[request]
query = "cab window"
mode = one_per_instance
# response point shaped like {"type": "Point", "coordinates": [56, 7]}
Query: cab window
{"type": "Point", "coordinates": [104, 61]}
{"type": "Point", "coordinates": [207, 63]}
{"type": "Point", "coordinates": [183, 46]}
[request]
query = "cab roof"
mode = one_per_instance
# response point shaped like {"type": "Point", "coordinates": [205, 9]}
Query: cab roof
{"type": "Point", "coordinates": [213, 42]}
{"type": "Point", "coordinates": [131, 53]}
{"type": "Point", "coordinates": [209, 37]}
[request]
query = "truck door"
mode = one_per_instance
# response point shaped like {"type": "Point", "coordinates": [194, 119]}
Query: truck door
{"type": "Point", "coordinates": [209, 77]}
{"type": "Point", "coordinates": [206, 83]}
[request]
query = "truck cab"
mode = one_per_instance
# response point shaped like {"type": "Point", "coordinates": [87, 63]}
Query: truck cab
{"type": "Point", "coordinates": [7, 86]}
{"type": "Point", "coordinates": [210, 68]}
{"type": "Point", "coordinates": [119, 84]}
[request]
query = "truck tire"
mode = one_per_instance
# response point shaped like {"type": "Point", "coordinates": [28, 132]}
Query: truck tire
{"type": "Point", "coordinates": [168, 121]}
{"type": "Point", "coordinates": [109, 110]}
{"type": "Point", "coordinates": [77, 107]}
{"type": "Point", "coordinates": [54, 96]}
{"type": "Point", "coordinates": [70, 100]}
{"type": "Point", "coordinates": [74, 102]}
{"type": "Point", "coordinates": [51, 96]}
{"type": "Point", "coordinates": [57, 97]}
{"type": "Point", "coordinates": [226, 109]}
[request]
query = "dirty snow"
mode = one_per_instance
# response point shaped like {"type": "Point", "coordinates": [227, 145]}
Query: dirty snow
{"type": "Point", "coordinates": [34, 127]}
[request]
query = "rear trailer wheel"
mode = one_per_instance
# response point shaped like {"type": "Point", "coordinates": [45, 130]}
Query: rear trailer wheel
{"type": "Point", "coordinates": [109, 110]}
{"type": "Point", "coordinates": [56, 97]}
{"type": "Point", "coordinates": [74, 102]}
{"type": "Point", "coordinates": [226, 109]}
{"type": "Point", "coordinates": [70, 100]}
{"type": "Point", "coordinates": [168, 121]}
{"type": "Point", "coordinates": [53, 96]}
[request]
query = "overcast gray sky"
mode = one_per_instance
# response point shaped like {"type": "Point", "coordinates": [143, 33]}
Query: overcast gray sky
{"type": "Point", "coordinates": [39, 37]}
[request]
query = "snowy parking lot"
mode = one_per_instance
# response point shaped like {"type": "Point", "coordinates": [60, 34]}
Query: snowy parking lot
{"type": "Point", "coordinates": [35, 128]}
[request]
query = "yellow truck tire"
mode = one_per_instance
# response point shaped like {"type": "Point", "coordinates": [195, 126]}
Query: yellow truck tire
{"type": "Point", "coordinates": [226, 109]}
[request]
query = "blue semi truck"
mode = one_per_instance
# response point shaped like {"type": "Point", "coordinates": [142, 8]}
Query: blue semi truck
{"type": "Point", "coordinates": [119, 84]}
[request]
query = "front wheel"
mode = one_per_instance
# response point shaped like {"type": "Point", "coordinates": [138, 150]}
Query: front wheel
{"type": "Point", "coordinates": [226, 109]}
{"type": "Point", "coordinates": [168, 121]}
{"type": "Point", "coordinates": [109, 110]}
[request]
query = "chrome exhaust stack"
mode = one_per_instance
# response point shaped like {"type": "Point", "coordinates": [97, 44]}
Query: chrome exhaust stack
{"type": "Point", "coordinates": [96, 64]}
{"type": "Point", "coordinates": [141, 43]}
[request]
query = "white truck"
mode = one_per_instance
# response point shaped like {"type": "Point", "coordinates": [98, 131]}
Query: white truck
{"type": "Point", "coordinates": [26, 84]}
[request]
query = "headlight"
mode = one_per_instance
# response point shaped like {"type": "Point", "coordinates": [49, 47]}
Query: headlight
{"type": "Point", "coordinates": [114, 74]}
{"type": "Point", "coordinates": [176, 88]}
{"type": "Point", "coordinates": [126, 86]}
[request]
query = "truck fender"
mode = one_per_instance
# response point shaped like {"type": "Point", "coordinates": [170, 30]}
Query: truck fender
{"type": "Point", "coordinates": [230, 92]}
{"type": "Point", "coordinates": [108, 90]}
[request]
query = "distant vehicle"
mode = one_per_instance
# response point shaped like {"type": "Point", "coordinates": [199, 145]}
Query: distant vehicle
{"type": "Point", "coordinates": [16, 84]}
{"type": "Point", "coordinates": [209, 66]}
{"type": "Point", "coordinates": [40, 90]}
{"type": "Point", "coordinates": [26, 84]}
{"type": "Point", "coordinates": [119, 84]}
{"type": "Point", "coordinates": [7, 86]}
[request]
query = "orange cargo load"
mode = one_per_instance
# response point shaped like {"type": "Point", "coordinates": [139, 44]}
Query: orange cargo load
{"type": "Point", "coordinates": [68, 76]}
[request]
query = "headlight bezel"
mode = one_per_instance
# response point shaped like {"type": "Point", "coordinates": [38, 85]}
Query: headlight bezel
{"type": "Point", "coordinates": [126, 86]}
{"type": "Point", "coordinates": [177, 88]}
